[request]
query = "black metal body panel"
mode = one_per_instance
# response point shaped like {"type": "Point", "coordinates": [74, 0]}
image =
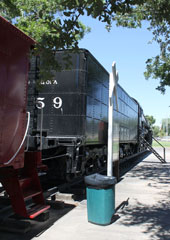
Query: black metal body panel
{"type": "Point", "coordinates": [74, 104]}
{"type": "Point", "coordinates": [127, 117]}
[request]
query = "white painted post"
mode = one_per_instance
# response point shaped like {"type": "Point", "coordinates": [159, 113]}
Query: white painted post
{"type": "Point", "coordinates": [110, 129]}
{"type": "Point", "coordinates": [112, 91]}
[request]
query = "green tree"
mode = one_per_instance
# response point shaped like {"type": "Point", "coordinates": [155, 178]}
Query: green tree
{"type": "Point", "coordinates": [156, 131]}
{"type": "Point", "coordinates": [157, 14]}
{"type": "Point", "coordinates": [161, 133]}
{"type": "Point", "coordinates": [55, 25]}
{"type": "Point", "coordinates": [151, 120]}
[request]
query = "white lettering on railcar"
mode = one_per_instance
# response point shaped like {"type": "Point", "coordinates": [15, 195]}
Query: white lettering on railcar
{"type": "Point", "coordinates": [55, 82]}
{"type": "Point", "coordinates": [49, 82]}
{"type": "Point", "coordinates": [39, 103]}
{"type": "Point", "coordinates": [57, 103]}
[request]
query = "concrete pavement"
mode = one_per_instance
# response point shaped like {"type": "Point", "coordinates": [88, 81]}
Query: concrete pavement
{"type": "Point", "coordinates": [145, 189]}
{"type": "Point", "coordinates": [147, 215]}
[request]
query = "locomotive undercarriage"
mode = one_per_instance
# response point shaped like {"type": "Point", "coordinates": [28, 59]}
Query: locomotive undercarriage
{"type": "Point", "coordinates": [69, 162]}
{"type": "Point", "coordinates": [127, 149]}
{"type": "Point", "coordinates": [70, 158]}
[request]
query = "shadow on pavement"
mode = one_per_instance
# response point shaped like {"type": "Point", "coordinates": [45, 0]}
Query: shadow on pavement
{"type": "Point", "coordinates": [153, 219]}
{"type": "Point", "coordinates": [154, 172]}
{"type": "Point", "coordinates": [37, 226]}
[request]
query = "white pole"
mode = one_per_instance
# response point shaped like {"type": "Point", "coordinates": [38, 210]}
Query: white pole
{"type": "Point", "coordinates": [110, 129]}
{"type": "Point", "coordinates": [167, 127]}
{"type": "Point", "coordinates": [112, 91]}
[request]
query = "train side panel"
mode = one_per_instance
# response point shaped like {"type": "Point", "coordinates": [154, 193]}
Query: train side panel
{"type": "Point", "coordinates": [70, 111]}
{"type": "Point", "coordinates": [127, 117]}
{"type": "Point", "coordinates": [59, 101]}
{"type": "Point", "coordinates": [13, 92]}
{"type": "Point", "coordinates": [73, 105]}
{"type": "Point", "coordinates": [97, 89]}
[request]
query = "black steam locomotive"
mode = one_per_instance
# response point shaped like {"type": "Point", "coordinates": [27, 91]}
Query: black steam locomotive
{"type": "Point", "coordinates": [69, 116]}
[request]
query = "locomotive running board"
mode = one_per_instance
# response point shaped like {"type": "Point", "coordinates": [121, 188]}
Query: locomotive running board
{"type": "Point", "coordinates": [148, 146]}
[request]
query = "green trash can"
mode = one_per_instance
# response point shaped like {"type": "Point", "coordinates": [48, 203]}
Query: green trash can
{"type": "Point", "coordinates": [100, 192]}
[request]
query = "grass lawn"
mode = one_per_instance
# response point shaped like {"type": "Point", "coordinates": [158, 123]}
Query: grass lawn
{"type": "Point", "coordinates": [164, 143]}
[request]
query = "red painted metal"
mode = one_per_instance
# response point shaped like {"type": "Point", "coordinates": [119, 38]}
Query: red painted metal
{"type": "Point", "coordinates": [37, 156]}
{"type": "Point", "coordinates": [24, 184]}
{"type": "Point", "coordinates": [14, 49]}
{"type": "Point", "coordinates": [37, 210]}
{"type": "Point", "coordinates": [18, 173]}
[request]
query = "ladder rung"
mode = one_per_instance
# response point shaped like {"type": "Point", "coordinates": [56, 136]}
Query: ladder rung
{"type": "Point", "coordinates": [37, 210]}
{"type": "Point", "coordinates": [146, 144]}
{"type": "Point", "coordinates": [31, 193]}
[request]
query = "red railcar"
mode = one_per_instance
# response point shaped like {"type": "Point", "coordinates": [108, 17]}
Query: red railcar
{"type": "Point", "coordinates": [18, 173]}
{"type": "Point", "coordinates": [14, 49]}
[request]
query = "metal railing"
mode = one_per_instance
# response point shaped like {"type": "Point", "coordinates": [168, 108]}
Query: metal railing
{"type": "Point", "coordinates": [23, 140]}
{"type": "Point", "coordinates": [161, 146]}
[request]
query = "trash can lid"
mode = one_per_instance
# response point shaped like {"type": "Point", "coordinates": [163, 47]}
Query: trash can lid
{"type": "Point", "coordinates": [100, 181]}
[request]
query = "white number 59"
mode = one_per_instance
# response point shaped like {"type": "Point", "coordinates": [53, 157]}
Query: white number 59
{"type": "Point", "coordinates": [39, 103]}
{"type": "Point", "coordinates": [57, 102]}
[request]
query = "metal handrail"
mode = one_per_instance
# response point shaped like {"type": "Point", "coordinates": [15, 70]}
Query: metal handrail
{"type": "Point", "coordinates": [160, 145]}
{"type": "Point", "coordinates": [23, 140]}
{"type": "Point", "coordinates": [41, 128]}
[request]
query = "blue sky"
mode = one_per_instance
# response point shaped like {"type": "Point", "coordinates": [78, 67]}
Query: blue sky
{"type": "Point", "coordinates": [129, 48]}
